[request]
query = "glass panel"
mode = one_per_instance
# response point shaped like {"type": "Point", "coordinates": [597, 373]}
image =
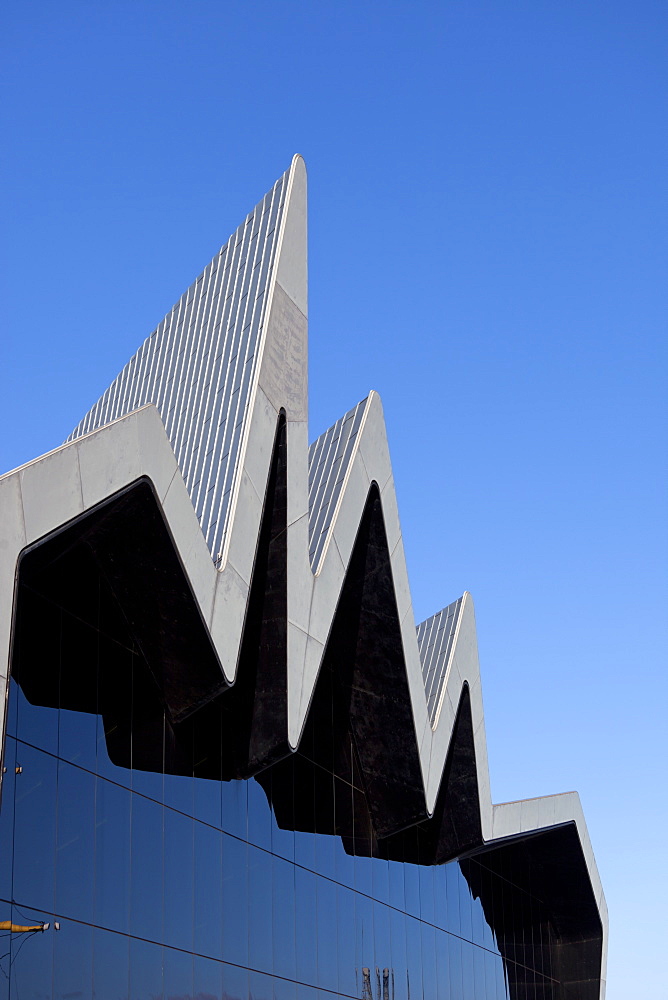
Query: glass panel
{"type": "Point", "coordinates": [36, 725]}
{"type": "Point", "coordinates": [306, 927]}
{"type": "Point", "coordinates": [442, 972]}
{"type": "Point", "coordinates": [72, 961]}
{"type": "Point", "coordinates": [284, 989]}
{"type": "Point", "coordinates": [259, 816]}
{"type": "Point", "coordinates": [260, 987]}
{"type": "Point", "coordinates": [399, 960]}
{"type": "Point", "coordinates": [364, 958]}
{"type": "Point", "coordinates": [11, 722]}
{"type": "Point", "coordinates": [453, 922]}
{"type": "Point", "coordinates": [440, 898]}
{"type": "Point", "coordinates": [235, 983]}
{"type": "Point", "coordinates": [282, 842]}
{"type": "Point", "coordinates": [7, 823]}
{"type": "Point", "coordinates": [208, 799]}
{"type": "Point", "coordinates": [208, 901]}
{"type": "Point", "coordinates": [380, 875]}
{"type": "Point", "coordinates": [112, 855]}
{"type": "Point", "coordinates": [35, 829]}
{"type": "Point", "coordinates": [260, 910]}
{"type": "Point", "coordinates": [479, 972]}
{"type": "Point", "coordinates": [283, 902]}
{"type": "Point", "coordinates": [235, 808]}
{"type": "Point", "coordinates": [428, 934]}
{"type": "Point", "coordinates": [477, 922]}
{"type": "Point", "coordinates": [307, 992]}
{"type": "Point", "coordinates": [465, 909]}
{"type": "Point", "coordinates": [455, 966]}
{"type": "Point", "coordinates": [396, 880]}
{"type": "Point", "coordinates": [145, 970]}
{"type": "Point", "coordinates": [178, 880]}
{"type": "Point", "coordinates": [110, 965]}
{"type": "Point", "coordinates": [146, 889]}
{"type": "Point", "coordinates": [148, 739]}
{"type": "Point", "coordinates": [345, 905]}
{"type": "Point", "coordinates": [328, 969]}
{"type": "Point", "coordinates": [235, 901]}
{"type": "Point", "coordinates": [344, 864]}
{"type": "Point", "coordinates": [427, 894]}
{"type": "Point", "coordinates": [27, 958]}
{"type": "Point", "coordinates": [179, 793]}
{"type": "Point", "coordinates": [381, 936]}
{"type": "Point", "coordinates": [207, 979]}
{"type": "Point", "coordinates": [75, 847]}
{"type": "Point", "coordinates": [412, 889]}
{"type": "Point", "coordinates": [149, 783]}
{"type": "Point", "coordinates": [413, 958]}
{"type": "Point", "coordinates": [468, 980]}
{"type": "Point", "coordinates": [78, 738]}
{"type": "Point", "coordinates": [305, 850]}
{"type": "Point", "coordinates": [105, 767]}
{"type": "Point", "coordinates": [178, 974]}
{"type": "Point", "coordinates": [114, 742]}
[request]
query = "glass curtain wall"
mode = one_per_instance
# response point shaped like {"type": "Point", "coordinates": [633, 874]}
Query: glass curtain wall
{"type": "Point", "coordinates": [162, 885]}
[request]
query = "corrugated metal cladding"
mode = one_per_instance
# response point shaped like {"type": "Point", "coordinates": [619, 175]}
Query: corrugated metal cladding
{"type": "Point", "coordinates": [328, 461]}
{"type": "Point", "coordinates": [197, 367]}
{"type": "Point", "coordinates": [436, 636]}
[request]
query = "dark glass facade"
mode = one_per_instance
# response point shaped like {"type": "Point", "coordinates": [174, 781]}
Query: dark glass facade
{"type": "Point", "coordinates": [174, 886]}
{"type": "Point", "coordinates": [164, 874]}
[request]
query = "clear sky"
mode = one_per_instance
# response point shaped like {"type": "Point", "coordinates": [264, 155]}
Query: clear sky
{"type": "Point", "coordinates": [487, 250]}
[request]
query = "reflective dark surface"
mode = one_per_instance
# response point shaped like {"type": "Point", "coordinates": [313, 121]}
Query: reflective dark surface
{"type": "Point", "coordinates": [168, 886]}
{"type": "Point", "coordinates": [163, 876]}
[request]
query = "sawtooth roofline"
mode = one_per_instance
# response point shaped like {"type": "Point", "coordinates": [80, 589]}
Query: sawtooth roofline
{"type": "Point", "coordinates": [54, 490]}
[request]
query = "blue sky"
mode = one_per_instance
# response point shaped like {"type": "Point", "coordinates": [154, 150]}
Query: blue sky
{"type": "Point", "coordinates": [487, 250]}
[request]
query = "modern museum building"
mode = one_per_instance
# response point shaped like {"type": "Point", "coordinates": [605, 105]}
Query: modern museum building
{"type": "Point", "coordinates": [233, 766]}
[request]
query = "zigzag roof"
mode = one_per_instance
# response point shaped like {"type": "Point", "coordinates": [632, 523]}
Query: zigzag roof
{"type": "Point", "coordinates": [211, 416]}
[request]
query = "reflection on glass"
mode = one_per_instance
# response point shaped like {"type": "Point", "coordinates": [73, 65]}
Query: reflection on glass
{"type": "Point", "coordinates": [235, 807]}
{"type": "Point", "coordinates": [283, 926]}
{"type": "Point", "coordinates": [145, 978]}
{"type": "Point", "coordinates": [207, 979]}
{"type": "Point", "coordinates": [259, 816]}
{"type": "Point", "coordinates": [78, 738]}
{"type": "Point", "coordinates": [260, 909]}
{"type": "Point", "coordinates": [235, 900]}
{"type": "Point", "coordinates": [178, 880]}
{"type": "Point", "coordinates": [327, 943]}
{"type": "Point", "coordinates": [7, 821]}
{"type": "Point", "coordinates": [37, 726]}
{"type": "Point", "coordinates": [345, 913]}
{"type": "Point", "coordinates": [306, 926]}
{"type": "Point", "coordinates": [34, 828]}
{"type": "Point", "coordinates": [110, 965]}
{"type": "Point", "coordinates": [146, 878]}
{"type": "Point", "coordinates": [75, 842]}
{"type": "Point", "coordinates": [175, 886]}
{"type": "Point", "coordinates": [72, 960]}
{"type": "Point", "coordinates": [208, 892]}
{"type": "Point", "coordinates": [112, 855]}
{"type": "Point", "coordinates": [27, 958]}
{"type": "Point", "coordinates": [177, 974]}
{"type": "Point", "coordinates": [234, 982]}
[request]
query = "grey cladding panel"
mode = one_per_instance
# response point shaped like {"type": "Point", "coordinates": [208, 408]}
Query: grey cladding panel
{"type": "Point", "coordinates": [436, 636]}
{"type": "Point", "coordinates": [329, 458]}
{"type": "Point", "coordinates": [197, 367]}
